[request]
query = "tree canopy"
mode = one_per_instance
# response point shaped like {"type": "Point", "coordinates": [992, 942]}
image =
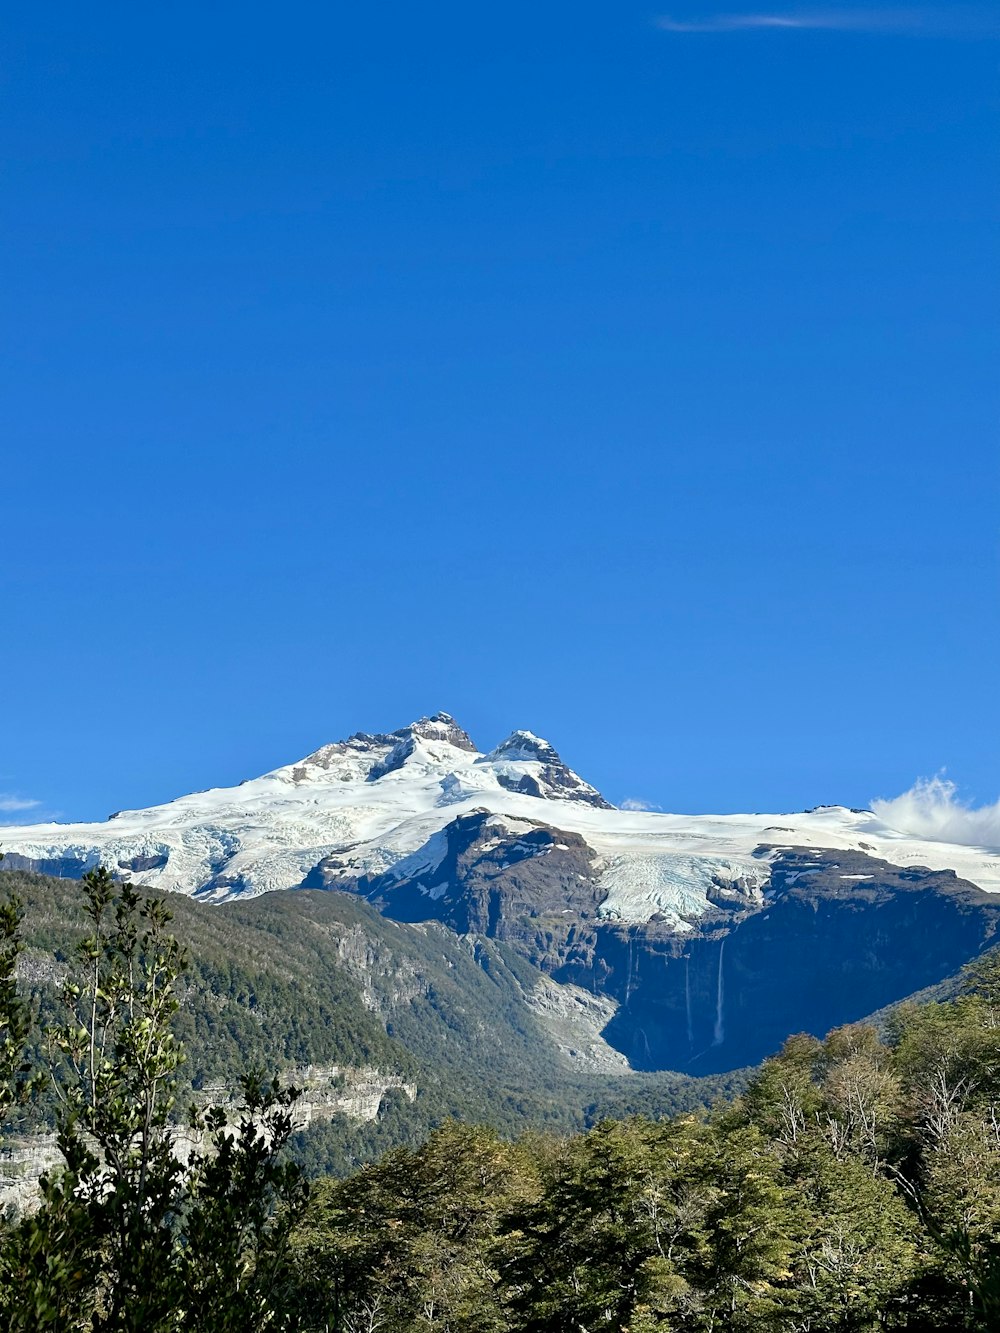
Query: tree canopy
{"type": "Point", "coordinates": [855, 1185]}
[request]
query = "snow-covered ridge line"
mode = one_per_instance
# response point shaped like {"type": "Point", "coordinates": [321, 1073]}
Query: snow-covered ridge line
{"type": "Point", "coordinates": [374, 802]}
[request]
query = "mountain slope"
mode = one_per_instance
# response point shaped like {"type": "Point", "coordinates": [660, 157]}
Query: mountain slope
{"type": "Point", "coordinates": [391, 1028]}
{"type": "Point", "coordinates": [711, 937]}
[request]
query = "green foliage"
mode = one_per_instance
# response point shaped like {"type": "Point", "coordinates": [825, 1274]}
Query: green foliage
{"type": "Point", "coordinates": [407, 1243]}
{"type": "Point", "coordinates": [853, 1187]}
{"type": "Point", "coordinates": [127, 1236]}
{"type": "Point", "coordinates": [289, 981]}
{"type": "Point", "coordinates": [241, 1202]}
{"type": "Point", "coordinates": [618, 1230]}
{"type": "Point", "coordinates": [15, 1019]}
{"type": "Point", "coordinates": [855, 1252]}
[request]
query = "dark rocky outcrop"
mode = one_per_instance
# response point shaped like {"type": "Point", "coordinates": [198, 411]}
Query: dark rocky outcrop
{"type": "Point", "coordinates": [517, 880]}
{"type": "Point", "coordinates": [63, 867]}
{"type": "Point", "coordinates": [839, 935]}
{"type": "Point", "coordinates": [440, 727]}
{"type": "Point", "coordinates": [828, 948]}
{"type": "Point", "coordinates": [138, 865]}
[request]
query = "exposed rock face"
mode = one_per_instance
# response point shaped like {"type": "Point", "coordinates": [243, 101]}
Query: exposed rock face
{"type": "Point", "coordinates": [525, 745]}
{"type": "Point", "coordinates": [576, 1020]}
{"type": "Point", "coordinates": [405, 748]}
{"type": "Point", "coordinates": [139, 865]}
{"type": "Point", "coordinates": [840, 937]}
{"type": "Point", "coordinates": [844, 936]}
{"type": "Point", "coordinates": [554, 778]}
{"type": "Point", "coordinates": [327, 1090]}
{"type": "Point", "coordinates": [63, 867]}
{"type": "Point", "coordinates": [509, 879]}
{"type": "Point", "coordinates": [23, 1161]}
{"type": "Point", "coordinates": [358, 1094]}
{"type": "Point", "coordinates": [832, 937]}
{"type": "Point", "coordinates": [441, 727]}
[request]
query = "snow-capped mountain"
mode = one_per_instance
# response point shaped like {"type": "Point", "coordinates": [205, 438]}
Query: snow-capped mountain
{"type": "Point", "coordinates": [375, 809]}
{"type": "Point", "coordinates": [708, 938]}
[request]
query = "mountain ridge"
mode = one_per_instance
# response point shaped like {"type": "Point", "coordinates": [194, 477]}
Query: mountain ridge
{"type": "Point", "coordinates": [695, 926]}
{"type": "Point", "coordinates": [401, 786]}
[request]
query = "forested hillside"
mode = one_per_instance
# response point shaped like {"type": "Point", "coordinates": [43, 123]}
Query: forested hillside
{"type": "Point", "coordinates": [321, 982]}
{"type": "Point", "coordinates": [854, 1185]}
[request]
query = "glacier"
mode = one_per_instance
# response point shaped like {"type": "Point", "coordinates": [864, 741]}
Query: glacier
{"type": "Point", "coordinates": [377, 804]}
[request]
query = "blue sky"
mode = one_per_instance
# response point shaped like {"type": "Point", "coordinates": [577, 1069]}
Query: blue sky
{"type": "Point", "coordinates": [625, 373]}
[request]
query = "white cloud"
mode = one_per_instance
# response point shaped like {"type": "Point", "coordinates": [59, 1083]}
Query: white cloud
{"type": "Point", "coordinates": [743, 22]}
{"type": "Point", "coordinates": [932, 809]}
{"type": "Point", "coordinates": [9, 804]}
{"type": "Point", "coordinates": [636, 803]}
{"type": "Point", "coordinates": [957, 20]}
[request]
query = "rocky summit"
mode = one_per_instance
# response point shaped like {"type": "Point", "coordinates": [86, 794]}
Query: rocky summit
{"type": "Point", "coordinates": [708, 938]}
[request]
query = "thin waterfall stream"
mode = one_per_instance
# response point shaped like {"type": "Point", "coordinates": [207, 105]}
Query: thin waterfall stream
{"type": "Point", "coordinates": [719, 1032]}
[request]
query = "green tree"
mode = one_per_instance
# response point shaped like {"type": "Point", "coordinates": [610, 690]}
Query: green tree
{"type": "Point", "coordinates": [857, 1244]}
{"type": "Point", "coordinates": [747, 1235]}
{"type": "Point", "coordinates": [15, 1020]}
{"type": "Point", "coordinates": [408, 1243]}
{"type": "Point", "coordinates": [113, 1244]}
{"type": "Point", "coordinates": [612, 1238]}
{"type": "Point", "coordinates": [239, 1204]}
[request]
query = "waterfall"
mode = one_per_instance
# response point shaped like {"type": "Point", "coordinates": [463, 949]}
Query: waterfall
{"type": "Point", "coordinates": [687, 1000]}
{"type": "Point", "coordinates": [719, 1034]}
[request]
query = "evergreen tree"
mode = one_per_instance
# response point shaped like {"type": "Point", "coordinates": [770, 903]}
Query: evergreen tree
{"type": "Point", "coordinates": [15, 1021]}
{"type": "Point", "coordinates": [118, 1242]}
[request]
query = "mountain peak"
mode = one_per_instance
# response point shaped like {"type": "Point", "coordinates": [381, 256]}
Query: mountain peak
{"type": "Point", "coordinates": [552, 778]}
{"type": "Point", "coordinates": [370, 756]}
{"type": "Point", "coordinates": [525, 746]}
{"type": "Point", "coordinates": [439, 727]}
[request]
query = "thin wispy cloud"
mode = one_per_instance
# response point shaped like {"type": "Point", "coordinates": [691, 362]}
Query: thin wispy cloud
{"type": "Point", "coordinates": [933, 809]}
{"type": "Point", "coordinates": [13, 809]}
{"type": "Point", "coordinates": [12, 804]}
{"type": "Point", "coordinates": [956, 21]}
{"type": "Point", "coordinates": [636, 803]}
